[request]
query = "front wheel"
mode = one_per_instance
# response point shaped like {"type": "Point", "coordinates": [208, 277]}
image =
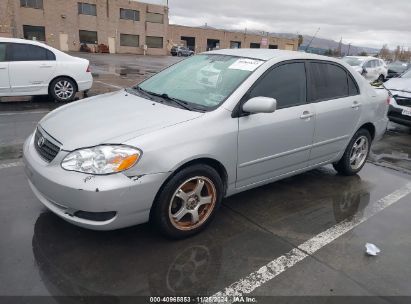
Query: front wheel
{"type": "Point", "coordinates": [63, 89]}
{"type": "Point", "coordinates": [355, 155]}
{"type": "Point", "coordinates": [188, 201]}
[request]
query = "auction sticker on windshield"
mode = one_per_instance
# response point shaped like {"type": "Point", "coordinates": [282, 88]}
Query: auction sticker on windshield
{"type": "Point", "coordinates": [246, 64]}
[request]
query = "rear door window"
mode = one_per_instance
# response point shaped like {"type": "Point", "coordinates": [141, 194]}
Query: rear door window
{"type": "Point", "coordinates": [327, 81]}
{"type": "Point", "coordinates": [352, 87]}
{"type": "Point", "coordinates": [286, 83]}
{"type": "Point", "coordinates": [2, 52]}
{"type": "Point", "coordinates": [28, 52]}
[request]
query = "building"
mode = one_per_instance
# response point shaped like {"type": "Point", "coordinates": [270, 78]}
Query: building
{"type": "Point", "coordinates": [200, 39]}
{"type": "Point", "coordinates": [118, 26]}
{"type": "Point", "coordinates": [124, 26]}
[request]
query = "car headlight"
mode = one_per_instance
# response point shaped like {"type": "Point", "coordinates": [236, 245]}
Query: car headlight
{"type": "Point", "coordinates": [104, 159]}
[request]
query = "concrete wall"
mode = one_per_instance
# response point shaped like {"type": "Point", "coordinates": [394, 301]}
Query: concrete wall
{"type": "Point", "coordinates": [175, 32]}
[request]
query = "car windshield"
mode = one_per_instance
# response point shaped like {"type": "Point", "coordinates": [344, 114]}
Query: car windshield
{"type": "Point", "coordinates": [353, 61]}
{"type": "Point", "coordinates": [398, 67]}
{"type": "Point", "coordinates": [406, 75]}
{"type": "Point", "coordinates": [203, 81]}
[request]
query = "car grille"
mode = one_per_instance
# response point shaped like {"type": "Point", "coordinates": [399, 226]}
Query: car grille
{"type": "Point", "coordinates": [44, 145]}
{"type": "Point", "coordinates": [403, 101]}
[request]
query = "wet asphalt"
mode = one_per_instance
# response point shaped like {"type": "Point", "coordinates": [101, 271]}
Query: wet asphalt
{"type": "Point", "coordinates": [41, 255]}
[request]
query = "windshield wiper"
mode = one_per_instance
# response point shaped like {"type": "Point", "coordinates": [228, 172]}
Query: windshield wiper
{"type": "Point", "coordinates": [181, 103]}
{"type": "Point", "coordinates": [142, 92]}
{"type": "Point", "coordinates": [165, 96]}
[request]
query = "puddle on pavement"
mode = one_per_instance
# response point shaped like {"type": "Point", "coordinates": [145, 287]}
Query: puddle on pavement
{"type": "Point", "coordinates": [128, 71]}
{"type": "Point", "coordinates": [11, 152]}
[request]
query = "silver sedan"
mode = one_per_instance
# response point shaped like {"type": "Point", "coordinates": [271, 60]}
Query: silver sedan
{"type": "Point", "coordinates": [170, 149]}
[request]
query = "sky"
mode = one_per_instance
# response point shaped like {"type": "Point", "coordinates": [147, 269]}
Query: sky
{"type": "Point", "coordinates": [369, 23]}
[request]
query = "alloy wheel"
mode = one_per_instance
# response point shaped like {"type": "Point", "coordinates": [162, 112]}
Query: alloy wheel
{"type": "Point", "coordinates": [359, 152]}
{"type": "Point", "coordinates": [64, 89]}
{"type": "Point", "coordinates": [192, 203]}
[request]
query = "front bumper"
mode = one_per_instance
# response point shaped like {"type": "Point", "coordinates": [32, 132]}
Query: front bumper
{"type": "Point", "coordinates": [65, 193]}
{"type": "Point", "coordinates": [395, 115]}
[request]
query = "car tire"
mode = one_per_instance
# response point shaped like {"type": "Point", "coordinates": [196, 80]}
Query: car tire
{"type": "Point", "coordinates": [63, 89]}
{"type": "Point", "coordinates": [187, 202]}
{"type": "Point", "coordinates": [355, 155]}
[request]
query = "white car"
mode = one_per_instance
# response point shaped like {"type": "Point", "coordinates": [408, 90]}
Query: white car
{"type": "Point", "coordinates": [34, 68]}
{"type": "Point", "coordinates": [370, 67]}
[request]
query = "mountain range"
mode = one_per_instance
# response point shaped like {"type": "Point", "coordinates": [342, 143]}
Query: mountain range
{"type": "Point", "coordinates": [326, 44]}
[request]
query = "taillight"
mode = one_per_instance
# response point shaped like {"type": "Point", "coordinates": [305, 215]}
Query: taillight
{"type": "Point", "coordinates": [88, 69]}
{"type": "Point", "coordinates": [389, 99]}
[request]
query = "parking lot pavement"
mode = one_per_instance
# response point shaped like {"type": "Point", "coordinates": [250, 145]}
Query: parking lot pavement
{"type": "Point", "coordinates": [301, 236]}
{"type": "Point", "coordinates": [43, 255]}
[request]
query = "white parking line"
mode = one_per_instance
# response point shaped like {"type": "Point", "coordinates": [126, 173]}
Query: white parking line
{"type": "Point", "coordinates": [274, 268]}
{"type": "Point", "coordinates": [108, 84]}
{"type": "Point", "coordinates": [11, 165]}
{"type": "Point", "coordinates": [23, 113]}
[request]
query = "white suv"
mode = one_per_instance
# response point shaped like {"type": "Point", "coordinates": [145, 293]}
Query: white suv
{"type": "Point", "coordinates": [370, 67]}
{"type": "Point", "coordinates": [33, 68]}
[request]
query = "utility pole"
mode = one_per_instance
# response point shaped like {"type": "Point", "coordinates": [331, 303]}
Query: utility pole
{"type": "Point", "coordinates": [340, 47]}
{"type": "Point", "coordinates": [349, 47]}
{"type": "Point", "coordinates": [308, 45]}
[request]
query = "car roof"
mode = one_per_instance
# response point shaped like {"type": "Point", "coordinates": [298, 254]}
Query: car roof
{"type": "Point", "coordinates": [362, 57]}
{"type": "Point", "coordinates": [18, 40]}
{"type": "Point", "coordinates": [268, 54]}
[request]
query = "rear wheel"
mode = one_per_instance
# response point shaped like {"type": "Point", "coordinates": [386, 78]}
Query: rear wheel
{"type": "Point", "coordinates": [188, 201]}
{"type": "Point", "coordinates": [63, 89]}
{"type": "Point", "coordinates": [356, 154]}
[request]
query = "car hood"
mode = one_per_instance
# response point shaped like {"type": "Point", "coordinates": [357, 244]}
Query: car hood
{"type": "Point", "coordinates": [398, 84]}
{"type": "Point", "coordinates": [110, 118]}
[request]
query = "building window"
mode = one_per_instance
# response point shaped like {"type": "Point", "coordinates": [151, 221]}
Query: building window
{"type": "Point", "coordinates": [154, 18]}
{"type": "Point", "coordinates": [88, 37]}
{"type": "Point", "coordinates": [273, 46]}
{"type": "Point", "coordinates": [129, 14]}
{"type": "Point", "coordinates": [254, 45]}
{"type": "Point", "coordinates": [32, 3]}
{"type": "Point", "coordinates": [129, 40]}
{"type": "Point", "coordinates": [87, 9]}
{"type": "Point", "coordinates": [154, 42]}
{"type": "Point", "coordinates": [31, 32]}
{"type": "Point", "coordinates": [235, 45]}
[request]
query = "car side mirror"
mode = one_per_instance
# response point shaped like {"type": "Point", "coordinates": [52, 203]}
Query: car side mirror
{"type": "Point", "coordinates": [260, 105]}
{"type": "Point", "coordinates": [364, 71]}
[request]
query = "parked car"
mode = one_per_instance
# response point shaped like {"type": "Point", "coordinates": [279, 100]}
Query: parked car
{"type": "Point", "coordinates": [395, 69]}
{"type": "Point", "coordinates": [33, 68]}
{"type": "Point", "coordinates": [400, 99]}
{"type": "Point", "coordinates": [171, 148]}
{"type": "Point", "coordinates": [373, 69]}
{"type": "Point", "coordinates": [181, 51]}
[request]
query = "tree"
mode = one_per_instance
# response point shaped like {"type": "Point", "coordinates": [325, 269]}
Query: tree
{"type": "Point", "coordinates": [397, 53]}
{"type": "Point", "coordinates": [300, 40]}
{"type": "Point", "coordinates": [385, 52]}
{"type": "Point", "coordinates": [363, 53]}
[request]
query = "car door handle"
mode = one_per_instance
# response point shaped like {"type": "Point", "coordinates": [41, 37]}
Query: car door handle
{"type": "Point", "coordinates": [306, 115]}
{"type": "Point", "coordinates": [356, 105]}
{"type": "Point", "coordinates": [3, 68]}
{"type": "Point", "coordinates": [46, 66]}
